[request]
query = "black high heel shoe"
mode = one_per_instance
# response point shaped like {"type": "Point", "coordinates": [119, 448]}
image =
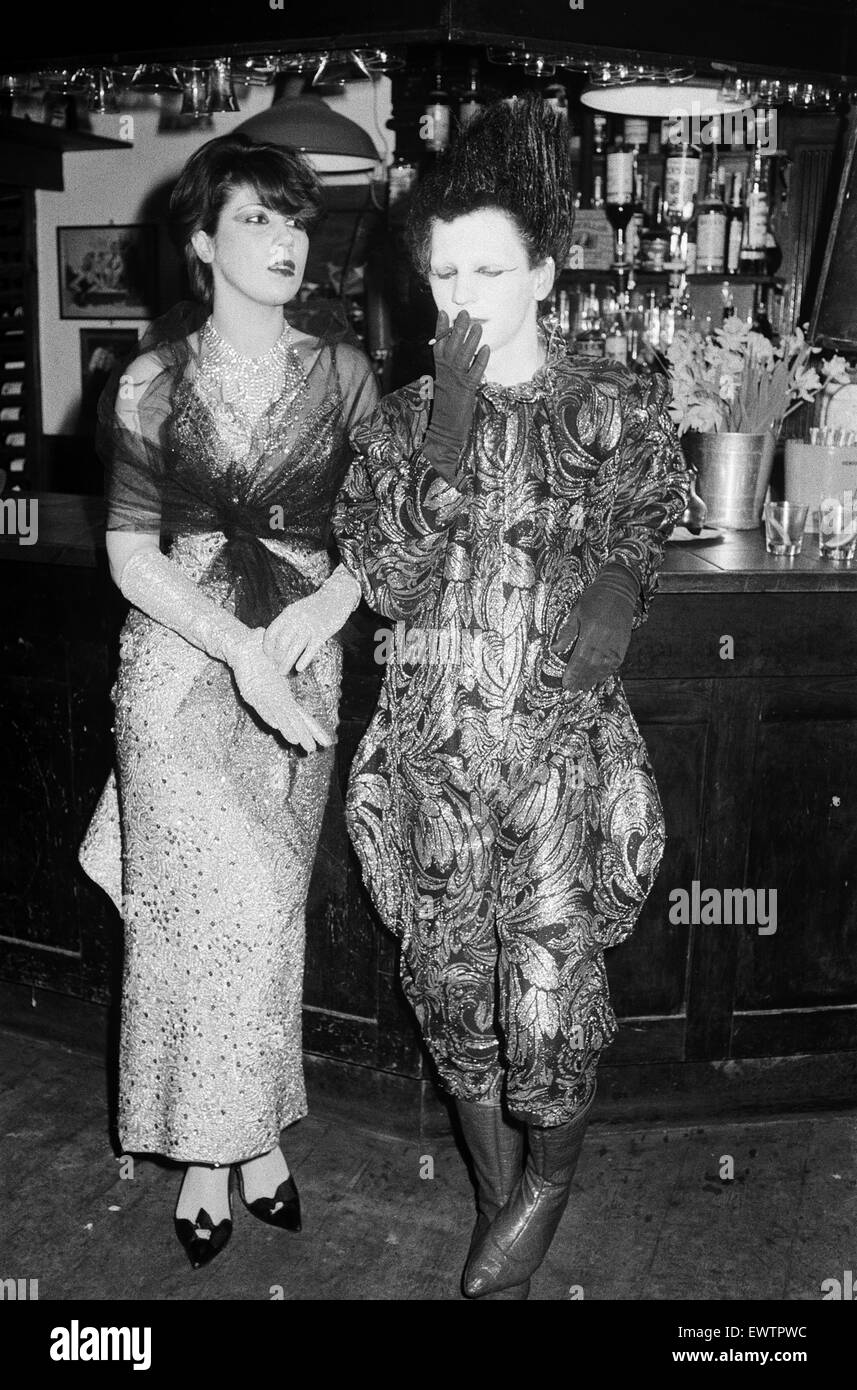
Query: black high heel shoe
{"type": "Point", "coordinates": [282, 1210]}
{"type": "Point", "coordinates": [201, 1250]}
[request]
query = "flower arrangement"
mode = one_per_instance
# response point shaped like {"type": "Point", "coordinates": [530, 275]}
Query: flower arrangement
{"type": "Point", "coordinates": [738, 381]}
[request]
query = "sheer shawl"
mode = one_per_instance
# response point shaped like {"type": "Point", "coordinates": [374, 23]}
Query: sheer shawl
{"type": "Point", "coordinates": [169, 473]}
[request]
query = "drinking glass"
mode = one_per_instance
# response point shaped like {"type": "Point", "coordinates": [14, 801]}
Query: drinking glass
{"type": "Point", "coordinates": [784, 523]}
{"type": "Point", "coordinates": [837, 527]}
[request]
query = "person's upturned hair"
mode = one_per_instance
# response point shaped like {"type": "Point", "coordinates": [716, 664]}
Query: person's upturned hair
{"type": "Point", "coordinates": [515, 156]}
{"type": "Point", "coordinates": [281, 178]}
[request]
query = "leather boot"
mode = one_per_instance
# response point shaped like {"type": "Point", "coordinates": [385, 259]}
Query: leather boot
{"type": "Point", "coordinates": [519, 1237]}
{"type": "Point", "coordinates": [497, 1154]}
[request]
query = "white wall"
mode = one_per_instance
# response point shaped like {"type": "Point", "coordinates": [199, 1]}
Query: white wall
{"type": "Point", "coordinates": [116, 186]}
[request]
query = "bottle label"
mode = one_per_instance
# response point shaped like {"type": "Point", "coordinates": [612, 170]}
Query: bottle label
{"type": "Point", "coordinates": [757, 220]}
{"type": "Point", "coordinates": [620, 177]}
{"type": "Point", "coordinates": [436, 121]}
{"type": "Point", "coordinates": [681, 181]}
{"type": "Point", "coordinates": [589, 347]}
{"type": "Point", "coordinates": [402, 178]}
{"type": "Point", "coordinates": [710, 241]}
{"type": "Point", "coordinates": [654, 252]}
{"type": "Point", "coordinates": [636, 130]}
{"type": "Point", "coordinates": [470, 108]}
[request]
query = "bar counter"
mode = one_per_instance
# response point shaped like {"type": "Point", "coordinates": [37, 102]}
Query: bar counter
{"type": "Point", "coordinates": [744, 684]}
{"type": "Point", "coordinates": [71, 532]}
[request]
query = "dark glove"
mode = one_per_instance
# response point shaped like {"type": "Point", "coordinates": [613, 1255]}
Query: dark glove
{"type": "Point", "coordinates": [599, 625]}
{"type": "Point", "coordinates": [457, 375]}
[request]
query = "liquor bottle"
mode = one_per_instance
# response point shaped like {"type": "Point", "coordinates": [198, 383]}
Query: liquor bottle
{"type": "Point", "coordinates": [711, 220]}
{"type": "Point", "coordinates": [562, 309]}
{"type": "Point", "coordinates": [634, 230]}
{"type": "Point", "coordinates": [759, 321]}
{"type": "Point", "coordinates": [654, 240]}
{"type": "Point", "coordinates": [773, 253]}
{"type": "Point", "coordinates": [635, 322]}
{"type": "Point", "coordinates": [599, 159]}
{"type": "Point", "coordinates": [636, 133]}
{"type": "Point", "coordinates": [735, 228]}
{"type": "Point", "coordinates": [616, 339]}
{"type": "Point", "coordinates": [652, 322]}
{"type": "Point", "coordinates": [668, 321]}
{"type": "Point", "coordinates": [471, 102]}
{"type": "Point", "coordinates": [681, 185]}
{"type": "Point", "coordinates": [436, 121]}
{"type": "Point", "coordinates": [591, 337]}
{"type": "Point", "coordinates": [681, 295]}
{"type": "Point", "coordinates": [557, 97]}
{"type": "Point", "coordinates": [401, 178]}
{"type": "Point", "coordinates": [687, 256]}
{"type": "Point", "coordinates": [755, 235]}
{"type": "Point", "coordinates": [619, 202]}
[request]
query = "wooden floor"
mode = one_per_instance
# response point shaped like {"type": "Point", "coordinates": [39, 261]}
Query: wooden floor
{"type": "Point", "coordinates": [650, 1216]}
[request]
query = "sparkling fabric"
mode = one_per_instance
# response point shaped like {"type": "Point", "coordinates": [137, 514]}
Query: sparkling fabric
{"type": "Point", "coordinates": [206, 834]}
{"type": "Point", "coordinates": [509, 830]}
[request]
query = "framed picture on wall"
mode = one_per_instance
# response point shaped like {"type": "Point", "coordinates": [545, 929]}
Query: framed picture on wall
{"type": "Point", "coordinates": [108, 272]}
{"type": "Point", "coordinates": [100, 350]}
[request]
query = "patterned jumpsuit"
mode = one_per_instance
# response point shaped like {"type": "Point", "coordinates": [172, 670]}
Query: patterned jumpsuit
{"type": "Point", "coordinates": [508, 830]}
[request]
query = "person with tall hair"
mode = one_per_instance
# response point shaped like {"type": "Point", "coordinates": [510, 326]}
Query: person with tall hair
{"type": "Point", "coordinates": [228, 441]}
{"type": "Point", "coordinates": [509, 519]}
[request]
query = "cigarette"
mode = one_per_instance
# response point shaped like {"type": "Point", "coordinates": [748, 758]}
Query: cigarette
{"type": "Point", "coordinates": [432, 341]}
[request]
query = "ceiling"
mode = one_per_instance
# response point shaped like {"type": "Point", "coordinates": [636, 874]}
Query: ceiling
{"type": "Point", "coordinates": [783, 37]}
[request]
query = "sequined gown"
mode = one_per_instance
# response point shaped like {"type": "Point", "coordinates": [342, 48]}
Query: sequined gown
{"type": "Point", "coordinates": [206, 834]}
{"type": "Point", "coordinates": [509, 830]}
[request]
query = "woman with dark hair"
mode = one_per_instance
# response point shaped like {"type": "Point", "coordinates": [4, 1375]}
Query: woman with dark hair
{"type": "Point", "coordinates": [230, 442]}
{"type": "Point", "coordinates": [502, 802]}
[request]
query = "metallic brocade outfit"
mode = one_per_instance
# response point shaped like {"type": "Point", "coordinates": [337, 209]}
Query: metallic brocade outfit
{"type": "Point", "coordinates": [509, 830]}
{"type": "Point", "coordinates": [206, 836]}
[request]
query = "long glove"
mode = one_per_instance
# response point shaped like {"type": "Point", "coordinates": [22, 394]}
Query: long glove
{"type": "Point", "coordinates": [159, 588]}
{"type": "Point", "coordinates": [298, 633]}
{"type": "Point", "coordinates": [457, 376]}
{"type": "Point", "coordinates": [599, 625]}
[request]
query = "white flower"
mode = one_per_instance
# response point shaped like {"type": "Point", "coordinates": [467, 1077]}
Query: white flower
{"type": "Point", "coordinates": [703, 416]}
{"type": "Point", "coordinates": [807, 383]}
{"type": "Point", "coordinates": [836, 369]}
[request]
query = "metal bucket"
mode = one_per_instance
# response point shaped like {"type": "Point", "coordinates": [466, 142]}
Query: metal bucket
{"type": "Point", "coordinates": [733, 474]}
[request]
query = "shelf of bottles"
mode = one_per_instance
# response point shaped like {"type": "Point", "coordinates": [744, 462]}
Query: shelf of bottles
{"type": "Point", "coordinates": [667, 232]}
{"type": "Point", "coordinates": [16, 332]}
{"type": "Point", "coordinates": [694, 235]}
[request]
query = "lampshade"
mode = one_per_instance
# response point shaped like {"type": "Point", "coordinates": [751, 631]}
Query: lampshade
{"type": "Point", "coordinates": [663, 99]}
{"type": "Point", "coordinates": [333, 143]}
